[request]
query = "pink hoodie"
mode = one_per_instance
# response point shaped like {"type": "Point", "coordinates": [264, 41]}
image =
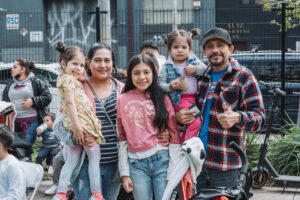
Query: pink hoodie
{"type": "Point", "coordinates": [135, 114]}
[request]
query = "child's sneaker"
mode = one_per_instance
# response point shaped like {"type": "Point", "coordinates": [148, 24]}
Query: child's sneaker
{"type": "Point", "coordinates": [60, 196]}
{"type": "Point", "coordinates": [97, 196]}
{"type": "Point", "coordinates": [50, 170]}
{"type": "Point", "coordinates": [51, 190]}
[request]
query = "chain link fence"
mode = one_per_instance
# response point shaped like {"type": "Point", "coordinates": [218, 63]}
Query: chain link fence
{"type": "Point", "coordinates": [257, 42]}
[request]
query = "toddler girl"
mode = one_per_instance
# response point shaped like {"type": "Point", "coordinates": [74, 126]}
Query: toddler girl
{"type": "Point", "coordinates": [143, 111]}
{"type": "Point", "coordinates": [78, 118]}
{"type": "Point", "coordinates": [182, 62]}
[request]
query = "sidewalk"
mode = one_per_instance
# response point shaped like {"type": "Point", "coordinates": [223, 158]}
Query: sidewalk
{"type": "Point", "coordinates": [266, 193]}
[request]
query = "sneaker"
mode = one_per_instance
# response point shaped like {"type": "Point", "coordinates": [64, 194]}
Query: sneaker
{"type": "Point", "coordinates": [97, 196]}
{"type": "Point", "coordinates": [50, 170]}
{"type": "Point", "coordinates": [51, 190]}
{"type": "Point", "coordinates": [60, 196]}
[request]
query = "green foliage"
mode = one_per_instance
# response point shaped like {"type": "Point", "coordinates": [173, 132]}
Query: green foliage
{"type": "Point", "coordinates": [284, 154]}
{"type": "Point", "coordinates": [292, 11]}
{"type": "Point", "coordinates": [252, 148]}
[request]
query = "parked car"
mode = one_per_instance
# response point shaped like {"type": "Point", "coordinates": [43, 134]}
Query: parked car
{"type": "Point", "coordinates": [46, 72]}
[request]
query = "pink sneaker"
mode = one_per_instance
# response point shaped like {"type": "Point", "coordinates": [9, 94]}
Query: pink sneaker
{"type": "Point", "coordinates": [60, 196]}
{"type": "Point", "coordinates": [97, 196]}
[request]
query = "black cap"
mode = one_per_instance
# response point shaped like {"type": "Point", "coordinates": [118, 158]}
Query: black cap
{"type": "Point", "coordinates": [216, 33]}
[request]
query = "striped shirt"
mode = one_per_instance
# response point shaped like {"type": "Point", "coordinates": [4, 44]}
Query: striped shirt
{"type": "Point", "coordinates": [109, 150]}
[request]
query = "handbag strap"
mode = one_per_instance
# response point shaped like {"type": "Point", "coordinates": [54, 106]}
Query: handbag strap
{"type": "Point", "coordinates": [92, 89]}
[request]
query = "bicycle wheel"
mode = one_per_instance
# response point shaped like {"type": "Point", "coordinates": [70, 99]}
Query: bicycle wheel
{"type": "Point", "coordinates": [259, 180]}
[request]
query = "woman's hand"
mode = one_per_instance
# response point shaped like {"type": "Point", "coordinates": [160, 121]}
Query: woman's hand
{"type": "Point", "coordinates": [175, 85]}
{"type": "Point", "coordinates": [164, 137]}
{"type": "Point", "coordinates": [89, 140]}
{"type": "Point", "coordinates": [78, 136]}
{"type": "Point", "coordinates": [185, 116]}
{"type": "Point", "coordinates": [27, 103]}
{"type": "Point", "coordinates": [127, 183]}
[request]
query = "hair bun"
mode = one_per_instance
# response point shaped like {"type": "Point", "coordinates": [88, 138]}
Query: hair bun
{"type": "Point", "coordinates": [31, 65]}
{"type": "Point", "coordinates": [195, 32]}
{"type": "Point", "coordinates": [60, 47]}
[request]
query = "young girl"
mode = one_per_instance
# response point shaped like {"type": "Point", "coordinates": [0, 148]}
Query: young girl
{"type": "Point", "coordinates": [182, 62]}
{"type": "Point", "coordinates": [78, 118]}
{"type": "Point", "coordinates": [143, 111]}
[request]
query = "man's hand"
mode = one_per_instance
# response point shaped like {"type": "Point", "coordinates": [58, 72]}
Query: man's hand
{"type": "Point", "coordinates": [175, 85]}
{"type": "Point", "coordinates": [229, 118]}
{"type": "Point", "coordinates": [127, 183]}
{"type": "Point", "coordinates": [190, 70]}
{"type": "Point", "coordinates": [89, 140]}
{"type": "Point", "coordinates": [27, 103]}
{"type": "Point", "coordinates": [185, 116]}
{"type": "Point", "coordinates": [164, 137]}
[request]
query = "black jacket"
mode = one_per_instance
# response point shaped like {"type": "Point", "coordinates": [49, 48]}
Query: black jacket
{"type": "Point", "coordinates": [42, 96]}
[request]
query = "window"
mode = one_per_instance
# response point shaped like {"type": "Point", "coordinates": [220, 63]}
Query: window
{"type": "Point", "coordinates": [162, 12]}
{"type": "Point", "coordinates": [252, 2]}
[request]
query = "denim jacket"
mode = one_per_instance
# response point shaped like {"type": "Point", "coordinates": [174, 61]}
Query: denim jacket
{"type": "Point", "coordinates": [169, 73]}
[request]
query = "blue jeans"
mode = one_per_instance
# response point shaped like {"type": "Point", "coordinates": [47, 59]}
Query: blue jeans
{"type": "Point", "coordinates": [30, 135]}
{"type": "Point", "coordinates": [44, 152]}
{"type": "Point", "coordinates": [216, 178]}
{"type": "Point", "coordinates": [110, 189]}
{"type": "Point", "coordinates": [149, 175]}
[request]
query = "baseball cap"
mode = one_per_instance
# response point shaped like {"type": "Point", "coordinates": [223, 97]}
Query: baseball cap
{"type": "Point", "coordinates": [216, 33]}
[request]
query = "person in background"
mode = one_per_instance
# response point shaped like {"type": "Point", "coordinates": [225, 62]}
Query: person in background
{"type": "Point", "coordinates": [50, 143]}
{"type": "Point", "coordinates": [31, 98]}
{"type": "Point", "coordinates": [151, 47]}
{"type": "Point", "coordinates": [182, 63]}
{"type": "Point", "coordinates": [231, 103]}
{"type": "Point", "coordinates": [12, 179]}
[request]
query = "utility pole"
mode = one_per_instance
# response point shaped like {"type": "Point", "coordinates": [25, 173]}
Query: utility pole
{"type": "Point", "coordinates": [283, 49]}
{"type": "Point", "coordinates": [174, 26]}
{"type": "Point", "coordinates": [105, 27]}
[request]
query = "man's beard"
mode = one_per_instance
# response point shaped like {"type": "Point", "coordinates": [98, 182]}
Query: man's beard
{"type": "Point", "coordinates": [215, 63]}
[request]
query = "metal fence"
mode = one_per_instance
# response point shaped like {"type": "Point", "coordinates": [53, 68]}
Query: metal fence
{"type": "Point", "coordinates": [256, 40]}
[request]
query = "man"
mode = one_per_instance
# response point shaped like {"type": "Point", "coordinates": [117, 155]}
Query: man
{"type": "Point", "coordinates": [12, 179]}
{"type": "Point", "coordinates": [231, 103]}
{"type": "Point", "coordinates": [151, 48]}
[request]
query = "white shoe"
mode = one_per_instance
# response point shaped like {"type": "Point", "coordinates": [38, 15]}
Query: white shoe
{"type": "Point", "coordinates": [51, 190]}
{"type": "Point", "coordinates": [50, 170]}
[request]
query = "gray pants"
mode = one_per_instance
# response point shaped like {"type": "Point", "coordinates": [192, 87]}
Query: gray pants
{"type": "Point", "coordinates": [58, 163]}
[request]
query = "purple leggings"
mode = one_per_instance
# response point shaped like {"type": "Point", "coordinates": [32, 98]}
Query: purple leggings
{"type": "Point", "coordinates": [71, 162]}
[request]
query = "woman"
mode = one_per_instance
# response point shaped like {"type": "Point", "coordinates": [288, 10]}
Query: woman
{"type": "Point", "coordinates": [107, 89]}
{"type": "Point", "coordinates": [30, 96]}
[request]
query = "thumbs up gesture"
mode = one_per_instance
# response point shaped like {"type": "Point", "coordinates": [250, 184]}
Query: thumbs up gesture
{"type": "Point", "coordinates": [228, 118]}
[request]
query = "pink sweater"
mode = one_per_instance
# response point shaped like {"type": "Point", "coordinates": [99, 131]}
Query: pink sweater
{"type": "Point", "coordinates": [135, 114]}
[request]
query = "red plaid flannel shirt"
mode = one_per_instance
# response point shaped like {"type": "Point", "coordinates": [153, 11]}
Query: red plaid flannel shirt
{"type": "Point", "coordinates": [239, 89]}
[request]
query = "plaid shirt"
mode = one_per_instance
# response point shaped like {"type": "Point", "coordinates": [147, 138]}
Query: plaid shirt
{"type": "Point", "coordinates": [239, 89]}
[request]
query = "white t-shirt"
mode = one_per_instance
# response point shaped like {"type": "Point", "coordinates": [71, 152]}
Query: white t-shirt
{"type": "Point", "coordinates": [12, 179]}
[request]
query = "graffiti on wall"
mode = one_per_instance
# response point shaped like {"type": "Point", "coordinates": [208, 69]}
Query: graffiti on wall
{"type": "Point", "coordinates": [67, 24]}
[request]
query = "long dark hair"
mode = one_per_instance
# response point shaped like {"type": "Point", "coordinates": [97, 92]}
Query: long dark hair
{"type": "Point", "coordinates": [157, 95]}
